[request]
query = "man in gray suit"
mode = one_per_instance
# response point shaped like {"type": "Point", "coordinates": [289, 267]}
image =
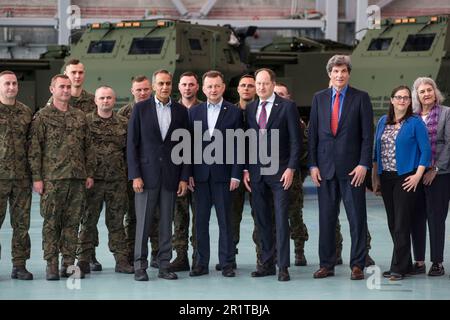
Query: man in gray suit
{"type": "Point", "coordinates": [157, 180]}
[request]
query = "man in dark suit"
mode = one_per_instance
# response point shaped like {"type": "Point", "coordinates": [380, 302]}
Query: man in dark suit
{"type": "Point", "coordinates": [157, 180]}
{"type": "Point", "coordinates": [340, 149]}
{"type": "Point", "coordinates": [271, 115]}
{"type": "Point", "coordinates": [214, 180]}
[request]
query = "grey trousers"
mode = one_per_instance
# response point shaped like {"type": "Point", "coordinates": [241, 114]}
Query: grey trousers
{"type": "Point", "coordinates": [146, 203]}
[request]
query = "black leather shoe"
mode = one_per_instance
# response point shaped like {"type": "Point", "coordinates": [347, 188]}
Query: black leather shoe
{"type": "Point", "coordinates": [140, 275]}
{"type": "Point", "coordinates": [21, 273]}
{"type": "Point", "coordinates": [166, 274]}
{"type": "Point", "coordinates": [387, 274]}
{"type": "Point", "coordinates": [198, 271]}
{"type": "Point", "coordinates": [228, 272]}
{"type": "Point", "coordinates": [283, 274]}
{"type": "Point", "coordinates": [418, 269]}
{"type": "Point", "coordinates": [219, 267]}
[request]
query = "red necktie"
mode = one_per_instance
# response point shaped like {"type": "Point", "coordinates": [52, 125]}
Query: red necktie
{"type": "Point", "coordinates": [335, 114]}
{"type": "Point", "coordinates": [262, 121]}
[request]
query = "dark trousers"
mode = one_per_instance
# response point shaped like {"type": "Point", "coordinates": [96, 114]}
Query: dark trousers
{"type": "Point", "coordinates": [146, 203]}
{"type": "Point", "coordinates": [261, 204]}
{"type": "Point", "coordinates": [432, 205]}
{"type": "Point", "coordinates": [400, 207]}
{"type": "Point", "coordinates": [330, 194]}
{"type": "Point", "coordinates": [206, 195]}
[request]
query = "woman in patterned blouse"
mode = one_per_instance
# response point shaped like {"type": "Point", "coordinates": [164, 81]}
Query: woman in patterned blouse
{"type": "Point", "coordinates": [402, 153]}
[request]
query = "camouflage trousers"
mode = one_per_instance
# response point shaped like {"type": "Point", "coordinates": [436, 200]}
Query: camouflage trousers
{"type": "Point", "coordinates": [180, 240]}
{"type": "Point", "coordinates": [62, 205]}
{"type": "Point", "coordinates": [340, 239]}
{"type": "Point", "coordinates": [130, 225]}
{"type": "Point", "coordinates": [114, 195]}
{"type": "Point", "coordinates": [18, 194]}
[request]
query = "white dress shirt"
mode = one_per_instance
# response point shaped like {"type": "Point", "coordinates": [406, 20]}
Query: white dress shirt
{"type": "Point", "coordinates": [213, 111]}
{"type": "Point", "coordinates": [164, 116]}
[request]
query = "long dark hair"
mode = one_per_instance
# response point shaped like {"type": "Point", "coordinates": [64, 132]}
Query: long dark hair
{"type": "Point", "coordinates": [391, 115]}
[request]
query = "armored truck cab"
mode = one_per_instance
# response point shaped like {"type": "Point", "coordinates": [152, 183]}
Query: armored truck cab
{"type": "Point", "coordinates": [113, 53]}
{"type": "Point", "coordinates": [400, 51]}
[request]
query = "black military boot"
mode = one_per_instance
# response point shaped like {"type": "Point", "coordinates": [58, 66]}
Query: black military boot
{"type": "Point", "coordinates": [154, 263]}
{"type": "Point", "coordinates": [21, 273]}
{"type": "Point", "coordinates": [181, 262]}
{"type": "Point", "coordinates": [94, 264]}
{"type": "Point", "coordinates": [69, 269]}
{"type": "Point", "coordinates": [84, 266]}
{"type": "Point", "coordinates": [300, 259]}
{"type": "Point", "coordinates": [369, 260]}
{"type": "Point", "coordinates": [51, 272]}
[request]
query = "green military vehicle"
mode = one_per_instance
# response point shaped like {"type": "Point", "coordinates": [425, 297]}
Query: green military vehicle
{"type": "Point", "coordinates": [34, 75]}
{"type": "Point", "coordinates": [113, 53]}
{"type": "Point", "coordinates": [400, 51]}
{"type": "Point", "coordinates": [300, 63]}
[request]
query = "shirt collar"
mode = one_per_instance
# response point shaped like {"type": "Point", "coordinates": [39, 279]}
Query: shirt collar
{"type": "Point", "coordinates": [342, 92]}
{"type": "Point", "coordinates": [217, 105]}
{"type": "Point", "coordinates": [160, 104]}
{"type": "Point", "coordinates": [270, 100]}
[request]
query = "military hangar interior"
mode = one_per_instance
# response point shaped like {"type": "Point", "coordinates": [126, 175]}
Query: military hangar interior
{"type": "Point", "coordinates": [38, 36]}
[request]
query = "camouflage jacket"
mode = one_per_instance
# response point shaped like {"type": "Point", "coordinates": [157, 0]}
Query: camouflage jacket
{"type": "Point", "coordinates": [85, 102]}
{"type": "Point", "coordinates": [60, 145]}
{"type": "Point", "coordinates": [109, 139]}
{"type": "Point", "coordinates": [126, 110]}
{"type": "Point", "coordinates": [14, 124]}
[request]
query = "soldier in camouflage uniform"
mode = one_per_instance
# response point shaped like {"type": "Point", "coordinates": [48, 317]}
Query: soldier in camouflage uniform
{"type": "Point", "coordinates": [83, 100]}
{"type": "Point", "coordinates": [62, 165]}
{"type": "Point", "coordinates": [141, 90]}
{"type": "Point", "coordinates": [109, 133]}
{"type": "Point", "coordinates": [15, 183]}
{"type": "Point", "coordinates": [298, 230]}
{"type": "Point", "coordinates": [188, 87]}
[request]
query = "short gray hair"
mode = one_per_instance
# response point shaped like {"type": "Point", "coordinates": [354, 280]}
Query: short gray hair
{"type": "Point", "coordinates": [339, 60]}
{"type": "Point", "coordinates": [163, 71]}
{"type": "Point", "coordinates": [417, 106]}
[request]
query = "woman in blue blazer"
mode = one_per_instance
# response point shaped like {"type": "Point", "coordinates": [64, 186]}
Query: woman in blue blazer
{"type": "Point", "coordinates": [402, 153]}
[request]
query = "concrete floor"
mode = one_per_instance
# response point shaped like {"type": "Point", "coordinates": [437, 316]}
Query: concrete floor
{"type": "Point", "coordinates": [110, 285]}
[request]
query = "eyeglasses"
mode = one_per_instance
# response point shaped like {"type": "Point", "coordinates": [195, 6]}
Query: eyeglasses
{"type": "Point", "coordinates": [405, 98]}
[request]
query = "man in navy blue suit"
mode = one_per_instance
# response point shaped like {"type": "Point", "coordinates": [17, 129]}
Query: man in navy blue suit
{"type": "Point", "coordinates": [214, 180]}
{"type": "Point", "coordinates": [270, 115]}
{"type": "Point", "coordinates": [157, 179]}
{"type": "Point", "coordinates": [340, 139]}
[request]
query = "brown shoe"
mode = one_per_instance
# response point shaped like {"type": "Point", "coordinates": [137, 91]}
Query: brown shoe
{"type": "Point", "coordinates": [122, 266]}
{"type": "Point", "coordinates": [323, 273]}
{"type": "Point", "coordinates": [357, 273]}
